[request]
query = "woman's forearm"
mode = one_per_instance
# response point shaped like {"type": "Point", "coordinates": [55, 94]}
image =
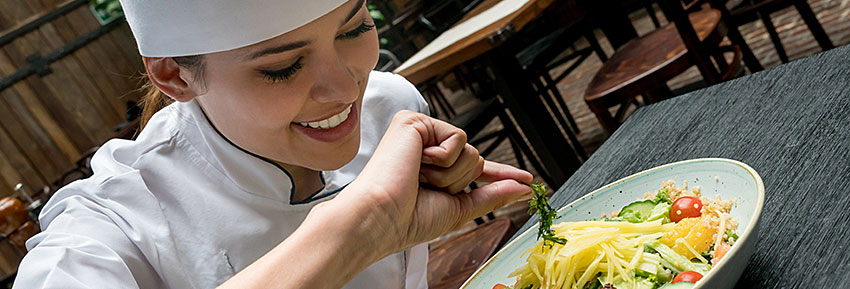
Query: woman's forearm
{"type": "Point", "coordinates": [329, 248]}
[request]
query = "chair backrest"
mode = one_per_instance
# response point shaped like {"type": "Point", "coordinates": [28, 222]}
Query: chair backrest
{"type": "Point", "coordinates": [387, 61]}
{"type": "Point", "coordinates": [677, 12]}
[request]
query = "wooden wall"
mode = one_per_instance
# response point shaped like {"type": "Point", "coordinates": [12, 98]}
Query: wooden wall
{"type": "Point", "coordinates": [47, 122]}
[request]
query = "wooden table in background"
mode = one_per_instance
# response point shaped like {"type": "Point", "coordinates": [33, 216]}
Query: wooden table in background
{"type": "Point", "coordinates": [519, 97]}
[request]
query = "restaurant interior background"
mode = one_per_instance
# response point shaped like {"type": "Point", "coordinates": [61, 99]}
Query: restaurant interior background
{"type": "Point", "coordinates": [70, 76]}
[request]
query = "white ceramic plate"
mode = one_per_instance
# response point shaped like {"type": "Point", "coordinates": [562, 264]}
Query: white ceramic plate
{"type": "Point", "coordinates": [728, 178]}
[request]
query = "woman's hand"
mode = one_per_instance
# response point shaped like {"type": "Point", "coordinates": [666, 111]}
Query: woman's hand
{"type": "Point", "coordinates": [406, 195]}
{"type": "Point", "coordinates": [419, 150]}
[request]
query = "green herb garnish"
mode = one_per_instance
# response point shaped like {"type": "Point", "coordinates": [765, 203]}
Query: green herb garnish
{"type": "Point", "coordinates": [731, 235]}
{"type": "Point", "coordinates": [663, 195]}
{"type": "Point", "coordinates": [539, 205]}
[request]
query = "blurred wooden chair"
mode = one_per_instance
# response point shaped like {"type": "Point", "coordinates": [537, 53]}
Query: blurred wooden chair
{"type": "Point", "coordinates": [547, 53]}
{"type": "Point", "coordinates": [643, 65]}
{"type": "Point", "coordinates": [751, 10]}
{"type": "Point", "coordinates": [452, 261]}
{"type": "Point", "coordinates": [475, 120]}
{"type": "Point", "coordinates": [747, 11]}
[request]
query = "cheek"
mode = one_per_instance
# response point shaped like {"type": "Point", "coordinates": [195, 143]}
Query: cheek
{"type": "Point", "coordinates": [362, 54]}
{"type": "Point", "coordinates": [254, 104]}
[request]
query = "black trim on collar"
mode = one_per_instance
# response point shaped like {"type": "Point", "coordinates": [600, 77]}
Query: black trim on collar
{"type": "Point", "coordinates": [308, 200]}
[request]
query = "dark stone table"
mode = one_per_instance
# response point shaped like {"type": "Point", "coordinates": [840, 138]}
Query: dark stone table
{"type": "Point", "coordinates": [792, 125]}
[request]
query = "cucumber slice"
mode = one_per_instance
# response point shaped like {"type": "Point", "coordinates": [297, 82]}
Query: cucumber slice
{"type": "Point", "coordinates": [661, 211]}
{"type": "Point", "coordinates": [637, 212]}
{"type": "Point", "coordinates": [679, 285]}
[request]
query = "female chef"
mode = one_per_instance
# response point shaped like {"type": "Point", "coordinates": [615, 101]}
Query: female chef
{"type": "Point", "coordinates": [281, 161]}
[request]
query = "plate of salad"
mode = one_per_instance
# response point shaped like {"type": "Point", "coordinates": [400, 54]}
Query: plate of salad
{"type": "Point", "coordinates": [684, 225]}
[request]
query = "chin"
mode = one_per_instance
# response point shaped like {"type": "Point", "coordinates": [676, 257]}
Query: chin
{"type": "Point", "coordinates": [340, 157]}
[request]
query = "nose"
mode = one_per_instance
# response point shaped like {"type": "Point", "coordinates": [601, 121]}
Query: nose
{"type": "Point", "coordinates": [335, 82]}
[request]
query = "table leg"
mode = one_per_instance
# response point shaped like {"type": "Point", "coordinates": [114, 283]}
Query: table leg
{"type": "Point", "coordinates": [532, 117]}
{"type": "Point", "coordinates": [613, 19]}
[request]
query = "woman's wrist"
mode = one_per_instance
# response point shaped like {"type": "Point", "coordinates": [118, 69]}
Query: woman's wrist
{"type": "Point", "coordinates": [331, 246]}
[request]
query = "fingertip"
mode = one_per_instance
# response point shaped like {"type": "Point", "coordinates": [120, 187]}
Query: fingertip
{"type": "Point", "coordinates": [525, 177]}
{"type": "Point", "coordinates": [494, 171]}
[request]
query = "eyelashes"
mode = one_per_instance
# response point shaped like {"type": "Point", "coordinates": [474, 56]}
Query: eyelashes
{"type": "Point", "coordinates": [360, 30]}
{"type": "Point", "coordinates": [283, 74]}
{"type": "Point", "coordinates": [275, 76]}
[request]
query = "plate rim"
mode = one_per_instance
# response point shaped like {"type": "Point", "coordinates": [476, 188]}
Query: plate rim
{"type": "Point", "coordinates": [746, 235]}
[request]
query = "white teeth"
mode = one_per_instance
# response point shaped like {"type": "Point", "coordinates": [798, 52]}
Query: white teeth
{"type": "Point", "coordinates": [330, 122]}
{"type": "Point", "coordinates": [334, 120]}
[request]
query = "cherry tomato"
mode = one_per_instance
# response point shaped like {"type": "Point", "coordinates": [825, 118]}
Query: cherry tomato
{"type": "Point", "coordinates": [685, 207]}
{"type": "Point", "coordinates": [687, 276]}
{"type": "Point", "coordinates": [500, 286]}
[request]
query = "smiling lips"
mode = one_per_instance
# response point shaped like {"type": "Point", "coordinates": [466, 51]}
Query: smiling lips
{"type": "Point", "coordinates": [330, 122]}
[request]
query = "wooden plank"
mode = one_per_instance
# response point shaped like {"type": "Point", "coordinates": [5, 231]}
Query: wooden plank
{"type": "Point", "coordinates": [62, 89]}
{"type": "Point", "coordinates": [54, 131]}
{"type": "Point", "coordinates": [28, 175]}
{"type": "Point", "coordinates": [38, 110]}
{"type": "Point", "coordinates": [108, 58]}
{"type": "Point", "coordinates": [5, 187]}
{"type": "Point", "coordinates": [97, 73]}
{"type": "Point", "coordinates": [121, 43]}
{"type": "Point", "coordinates": [36, 150]}
{"type": "Point", "coordinates": [11, 257]}
{"type": "Point", "coordinates": [119, 68]}
{"type": "Point", "coordinates": [122, 54]}
{"type": "Point", "coordinates": [22, 107]}
{"type": "Point", "coordinates": [92, 112]}
{"type": "Point", "coordinates": [10, 175]}
{"type": "Point", "coordinates": [57, 109]}
{"type": "Point", "coordinates": [124, 43]}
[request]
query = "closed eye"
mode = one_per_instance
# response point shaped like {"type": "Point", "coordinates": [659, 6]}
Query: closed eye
{"type": "Point", "coordinates": [360, 30]}
{"type": "Point", "coordinates": [282, 74]}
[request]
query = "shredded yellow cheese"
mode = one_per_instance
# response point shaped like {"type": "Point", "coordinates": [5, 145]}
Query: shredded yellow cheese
{"type": "Point", "coordinates": [613, 249]}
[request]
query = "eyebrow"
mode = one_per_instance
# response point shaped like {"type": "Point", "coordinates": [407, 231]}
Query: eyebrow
{"type": "Point", "coordinates": [299, 44]}
{"type": "Point", "coordinates": [279, 49]}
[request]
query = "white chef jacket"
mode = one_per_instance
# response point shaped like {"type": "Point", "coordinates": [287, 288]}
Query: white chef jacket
{"type": "Point", "coordinates": [183, 207]}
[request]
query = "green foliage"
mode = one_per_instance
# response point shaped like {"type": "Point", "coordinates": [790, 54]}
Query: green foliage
{"type": "Point", "coordinates": [732, 236]}
{"type": "Point", "coordinates": [539, 205]}
{"type": "Point", "coordinates": [663, 195]}
{"type": "Point", "coordinates": [107, 6]}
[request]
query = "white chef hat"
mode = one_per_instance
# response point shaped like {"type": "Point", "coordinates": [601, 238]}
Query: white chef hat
{"type": "Point", "coordinates": [170, 28]}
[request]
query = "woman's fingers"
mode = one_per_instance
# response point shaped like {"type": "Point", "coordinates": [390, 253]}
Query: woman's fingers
{"type": "Point", "coordinates": [467, 178]}
{"type": "Point", "coordinates": [465, 169]}
{"type": "Point", "coordinates": [495, 172]}
{"type": "Point", "coordinates": [446, 146]}
{"type": "Point", "coordinates": [491, 197]}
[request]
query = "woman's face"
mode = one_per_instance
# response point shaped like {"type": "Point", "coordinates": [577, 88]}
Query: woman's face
{"type": "Point", "coordinates": [296, 98]}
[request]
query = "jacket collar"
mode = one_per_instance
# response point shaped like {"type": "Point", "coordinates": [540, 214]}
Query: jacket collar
{"type": "Point", "coordinates": [253, 173]}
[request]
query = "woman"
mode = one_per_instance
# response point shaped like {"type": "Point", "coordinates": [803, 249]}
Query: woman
{"type": "Point", "coordinates": [267, 170]}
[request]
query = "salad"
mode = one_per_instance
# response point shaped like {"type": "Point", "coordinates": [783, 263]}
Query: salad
{"type": "Point", "coordinates": [667, 240]}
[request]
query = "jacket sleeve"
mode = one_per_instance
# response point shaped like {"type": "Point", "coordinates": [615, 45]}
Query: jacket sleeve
{"type": "Point", "coordinates": [82, 246]}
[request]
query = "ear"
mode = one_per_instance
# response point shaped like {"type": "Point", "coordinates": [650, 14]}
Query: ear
{"type": "Point", "coordinates": [164, 73]}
